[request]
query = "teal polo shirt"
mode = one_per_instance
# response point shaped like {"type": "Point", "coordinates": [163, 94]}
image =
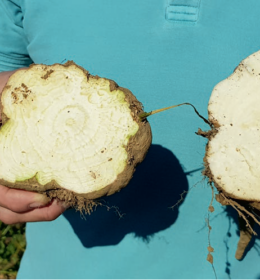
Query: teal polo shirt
{"type": "Point", "coordinates": [166, 52]}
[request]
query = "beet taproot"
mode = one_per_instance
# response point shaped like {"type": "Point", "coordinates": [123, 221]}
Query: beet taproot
{"type": "Point", "coordinates": [69, 134]}
{"type": "Point", "coordinates": [232, 157]}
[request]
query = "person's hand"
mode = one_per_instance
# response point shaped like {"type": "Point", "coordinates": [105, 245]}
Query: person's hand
{"type": "Point", "coordinates": [18, 206]}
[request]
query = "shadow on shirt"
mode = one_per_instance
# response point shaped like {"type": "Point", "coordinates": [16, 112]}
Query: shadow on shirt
{"type": "Point", "coordinates": [144, 205]}
{"type": "Point", "coordinates": [233, 218]}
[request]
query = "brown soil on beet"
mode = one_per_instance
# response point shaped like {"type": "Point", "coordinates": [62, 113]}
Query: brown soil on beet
{"type": "Point", "coordinates": [85, 206]}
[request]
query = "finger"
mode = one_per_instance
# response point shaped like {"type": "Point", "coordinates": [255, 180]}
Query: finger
{"type": "Point", "coordinates": [48, 213]}
{"type": "Point", "coordinates": [20, 200]}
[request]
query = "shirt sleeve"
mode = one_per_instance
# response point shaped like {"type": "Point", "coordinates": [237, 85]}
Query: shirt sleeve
{"type": "Point", "coordinates": [13, 42]}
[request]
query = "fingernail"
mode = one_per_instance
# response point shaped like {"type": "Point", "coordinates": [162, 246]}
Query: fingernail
{"type": "Point", "coordinates": [40, 200]}
{"type": "Point", "coordinates": [36, 205]}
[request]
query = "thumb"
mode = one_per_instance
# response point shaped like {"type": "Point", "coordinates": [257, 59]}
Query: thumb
{"type": "Point", "coordinates": [21, 200]}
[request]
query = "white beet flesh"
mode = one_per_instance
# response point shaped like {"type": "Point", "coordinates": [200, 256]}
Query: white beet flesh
{"type": "Point", "coordinates": [233, 154]}
{"type": "Point", "coordinates": [74, 133]}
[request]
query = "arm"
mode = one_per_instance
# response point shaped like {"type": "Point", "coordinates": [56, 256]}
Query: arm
{"type": "Point", "coordinates": [22, 206]}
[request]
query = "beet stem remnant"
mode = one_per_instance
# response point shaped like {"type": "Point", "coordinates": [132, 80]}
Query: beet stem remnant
{"type": "Point", "coordinates": [147, 114]}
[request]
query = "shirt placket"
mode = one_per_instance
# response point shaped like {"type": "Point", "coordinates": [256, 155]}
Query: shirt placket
{"type": "Point", "coordinates": [182, 11]}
